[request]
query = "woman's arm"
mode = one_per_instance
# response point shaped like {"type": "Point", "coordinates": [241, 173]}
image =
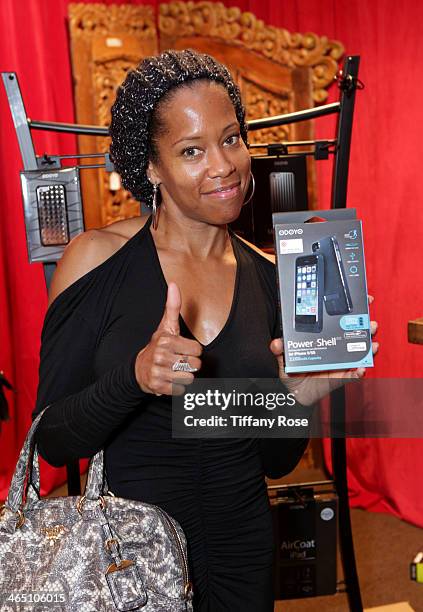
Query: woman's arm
{"type": "Point", "coordinates": [281, 456]}
{"type": "Point", "coordinates": [83, 412]}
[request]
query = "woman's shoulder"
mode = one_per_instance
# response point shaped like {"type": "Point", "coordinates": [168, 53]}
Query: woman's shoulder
{"type": "Point", "coordinates": [90, 250]}
{"type": "Point", "coordinates": [258, 253]}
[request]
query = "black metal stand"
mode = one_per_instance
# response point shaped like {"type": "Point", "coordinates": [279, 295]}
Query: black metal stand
{"type": "Point", "coordinates": [339, 468]}
{"type": "Point", "coordinates": [348, 84]}
{"type": "Point", "coordinates": [73, 478]}
{"type": "Point", "coordinates": [49, 268]}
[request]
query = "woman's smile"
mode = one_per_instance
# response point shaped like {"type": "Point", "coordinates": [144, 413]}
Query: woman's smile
{"type": "Point", "coordinates": [225, 192]}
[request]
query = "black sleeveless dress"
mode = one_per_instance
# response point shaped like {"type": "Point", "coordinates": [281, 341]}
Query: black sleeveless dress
{"type": "Point", "coordinates": [214, 488]}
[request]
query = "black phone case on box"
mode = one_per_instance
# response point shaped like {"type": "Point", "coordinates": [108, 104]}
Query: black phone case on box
{"type": "Point", "coordinates": [337, 297]}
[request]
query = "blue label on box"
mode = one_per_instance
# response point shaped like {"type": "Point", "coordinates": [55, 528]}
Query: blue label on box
{"type": "Point", "coordinates": [353, 322]}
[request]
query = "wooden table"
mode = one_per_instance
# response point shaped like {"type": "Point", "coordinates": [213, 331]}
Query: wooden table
{"type": "Point", "coordinates": [415, 331]}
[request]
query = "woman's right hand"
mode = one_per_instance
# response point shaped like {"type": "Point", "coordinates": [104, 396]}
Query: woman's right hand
{"type": "Point", "coordinates": [153, 365]}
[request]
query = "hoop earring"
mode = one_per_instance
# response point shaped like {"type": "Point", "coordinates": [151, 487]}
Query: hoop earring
{"type": "Point", "coordinates": [155, 217]}
{"type": "Point", "coordinates": [253, 190]}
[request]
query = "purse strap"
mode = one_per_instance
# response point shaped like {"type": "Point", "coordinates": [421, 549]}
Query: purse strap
{"type": "Point", "coordinates": [97, 484]}
{"type": "Point", "coordinates": [28, 465]}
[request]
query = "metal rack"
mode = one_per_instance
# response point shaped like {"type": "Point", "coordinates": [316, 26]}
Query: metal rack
{"type": "Point", "coordinates": [340, 147]}
{"type": "Point", "coordinates": [348, 83]}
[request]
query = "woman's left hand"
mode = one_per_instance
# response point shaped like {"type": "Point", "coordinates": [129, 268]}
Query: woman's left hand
{"type": "Point", "coordinates": [309, 388]}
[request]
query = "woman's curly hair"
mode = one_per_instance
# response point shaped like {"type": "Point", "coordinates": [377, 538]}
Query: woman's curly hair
{"type": "Point", "coordinates": [135, 121]}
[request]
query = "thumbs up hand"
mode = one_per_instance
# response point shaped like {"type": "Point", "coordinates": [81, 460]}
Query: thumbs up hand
{"type": "Point", "coordinates": [170, 319]}
{"type": "Point", "coordinates": [153, 366]}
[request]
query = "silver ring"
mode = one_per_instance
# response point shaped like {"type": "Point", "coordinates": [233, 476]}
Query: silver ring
{"type": "Point", "coordinates": [182, 365]}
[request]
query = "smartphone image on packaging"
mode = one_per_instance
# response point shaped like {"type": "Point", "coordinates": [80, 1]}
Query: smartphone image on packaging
{"type": "Point", "coordinates": [337, 296]}
{"type": "Point", "coordinates": [309, 277]}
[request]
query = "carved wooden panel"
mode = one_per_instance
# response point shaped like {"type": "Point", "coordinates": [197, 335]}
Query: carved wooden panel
{"type": "Point", "coordinates": [278, 72]}
{"type": "Point", "coordinates": [106, 41]}
{"type": "Point", "coordinates": [231, 25]}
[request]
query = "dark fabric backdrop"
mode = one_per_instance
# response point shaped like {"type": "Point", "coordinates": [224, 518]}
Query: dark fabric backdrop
{"type": "Point", "coordinates": [384, 186]}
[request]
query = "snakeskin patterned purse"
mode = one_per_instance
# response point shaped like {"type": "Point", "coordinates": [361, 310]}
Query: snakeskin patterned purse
{"type": "Point", "coordinates": [94, 553]}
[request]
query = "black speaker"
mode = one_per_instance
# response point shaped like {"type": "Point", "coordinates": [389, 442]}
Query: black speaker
{"type": "Point", "coordinates": [281, 186]}
{"type": "Point", "coordinates": [53, 211]}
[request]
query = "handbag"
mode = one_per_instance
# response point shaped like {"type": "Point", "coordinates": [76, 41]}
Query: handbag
{"type": "Point", "coordinates": [91, 553]}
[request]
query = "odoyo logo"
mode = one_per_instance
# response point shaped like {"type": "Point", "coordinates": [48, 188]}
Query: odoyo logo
{"type": "Point", "coordinates": [290, 232]}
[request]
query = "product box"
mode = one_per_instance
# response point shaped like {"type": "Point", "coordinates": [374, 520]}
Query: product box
{"type": "Point", "coordinates": [322, 290]}
{"type": "Point", "coordinates": [305, 534]}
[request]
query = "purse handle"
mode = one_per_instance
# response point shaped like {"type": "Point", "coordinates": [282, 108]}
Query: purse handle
{"type": "Point", "coordinates": [28, 464]}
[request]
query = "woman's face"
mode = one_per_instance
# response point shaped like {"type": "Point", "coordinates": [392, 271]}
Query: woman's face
{"type": "Point", "coordinates": [203, 164]}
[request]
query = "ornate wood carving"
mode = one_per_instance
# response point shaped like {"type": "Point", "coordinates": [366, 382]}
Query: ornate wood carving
{"type": "Point", "coordinates": [293, 72]}
{"type": "Point", "coordinates": [116, 205]}
{"type": "Point", "coordinates": [106, 41]}
{"type": "Point", "coordinates": [269, 85]}
{"type": "Point", "coordinates": [108, 19]}
{"type": "Point", "coordinates": [214, 20]}
{"type": "Point", "coordinates": [261, 103]}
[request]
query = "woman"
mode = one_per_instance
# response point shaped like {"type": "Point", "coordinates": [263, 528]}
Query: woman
{"type": "Point", "coordinates": [130, 301]}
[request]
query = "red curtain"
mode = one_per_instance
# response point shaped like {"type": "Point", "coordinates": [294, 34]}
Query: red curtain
{"type": "Point", "coordinates": [34, 44]}
{"type": "Point", "coordinates": [384, 186]}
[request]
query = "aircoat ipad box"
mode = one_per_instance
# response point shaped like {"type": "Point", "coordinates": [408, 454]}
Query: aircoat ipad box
{"type": "Point", "coordinates": [322, 290]}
